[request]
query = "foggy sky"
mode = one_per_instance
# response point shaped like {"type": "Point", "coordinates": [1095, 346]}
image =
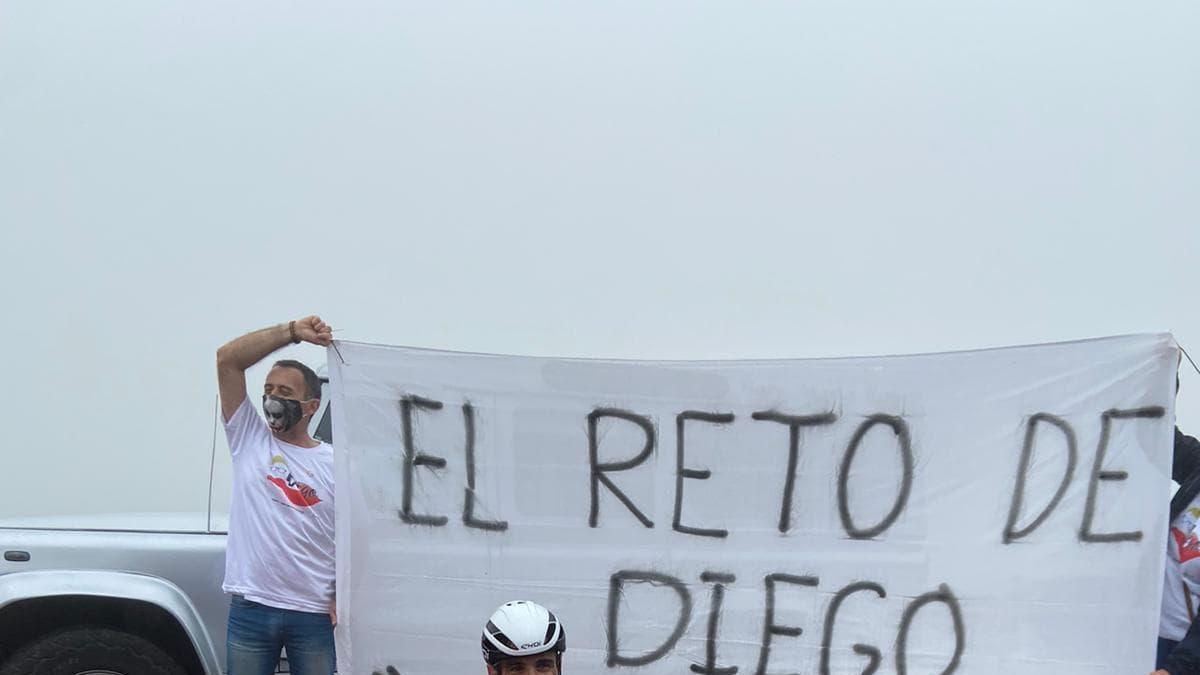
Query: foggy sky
{"type": "Point", "coordinates": [603, 179]}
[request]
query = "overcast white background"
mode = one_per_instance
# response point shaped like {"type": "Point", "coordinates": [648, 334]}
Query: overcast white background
{"type": "Point", "coordinates": [603, 179]}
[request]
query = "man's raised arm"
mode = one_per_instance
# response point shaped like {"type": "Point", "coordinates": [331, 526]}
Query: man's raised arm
{"type": "Point", "coordinates": [235, 356]}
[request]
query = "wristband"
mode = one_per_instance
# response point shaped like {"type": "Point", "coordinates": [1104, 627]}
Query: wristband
{"type": "Point", "coordinates": [292, 332]}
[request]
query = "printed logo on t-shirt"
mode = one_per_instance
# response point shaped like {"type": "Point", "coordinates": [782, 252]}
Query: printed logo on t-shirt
{"type": "Point", "coordinates": [296, 493]}
{"type": "Point", "coordinates": [1183, 530]}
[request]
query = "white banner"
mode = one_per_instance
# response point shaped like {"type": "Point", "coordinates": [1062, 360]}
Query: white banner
{"type": "Point", "coordinates": [989, 512]}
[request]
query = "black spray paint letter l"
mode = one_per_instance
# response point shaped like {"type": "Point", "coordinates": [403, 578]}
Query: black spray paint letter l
{"type": "Point", "coordinates": [413, 459]}
{"type": "Point", "coordinates": [468, 517]}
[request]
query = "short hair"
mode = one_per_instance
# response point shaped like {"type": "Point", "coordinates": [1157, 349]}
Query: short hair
{"type": "Point", "coordinates": [311, 382]}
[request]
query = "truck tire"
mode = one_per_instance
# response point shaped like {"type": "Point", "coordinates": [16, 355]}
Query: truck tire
{"type": "Point", "coordinates": [91, 650]}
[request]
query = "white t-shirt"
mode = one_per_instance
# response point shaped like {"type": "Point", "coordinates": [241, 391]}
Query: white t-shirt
{"type": "Point", "coordinates": [280, 547]}
{"type": "Point", "coordinates": [1181, 587]}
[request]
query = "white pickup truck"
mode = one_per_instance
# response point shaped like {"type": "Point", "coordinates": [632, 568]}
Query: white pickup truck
{"type": "Point", "coordinates": [114, 594]}
{"type": "Point", "coordinates": [122, 594]}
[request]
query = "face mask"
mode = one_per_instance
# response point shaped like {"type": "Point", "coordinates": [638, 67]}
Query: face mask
{"type": "Point", "coordinates": [282, 413]}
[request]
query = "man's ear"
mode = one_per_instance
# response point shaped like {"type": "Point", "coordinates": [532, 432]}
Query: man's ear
{"type": "Point", "coordinates": [491, 670]}
{"type": "Point", "coordinates": [311, 406]}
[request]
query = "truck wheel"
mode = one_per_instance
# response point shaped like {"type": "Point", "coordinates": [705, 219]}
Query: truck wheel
{"type": "Point", "coordinates": [91, 650]}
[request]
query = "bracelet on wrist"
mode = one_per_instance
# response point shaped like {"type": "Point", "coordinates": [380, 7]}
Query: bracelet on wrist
{"type": "Point", "coordinates": [292, 332]}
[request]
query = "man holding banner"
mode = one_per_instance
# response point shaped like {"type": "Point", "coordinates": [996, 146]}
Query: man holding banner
{"type": "Point", "coordinates": [279, 562]}
{"type": "Point", "coordinates": [1179, 632]}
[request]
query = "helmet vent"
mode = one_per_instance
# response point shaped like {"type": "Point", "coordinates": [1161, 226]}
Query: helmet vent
{"type": "Point", "coordinates": [499, 636]}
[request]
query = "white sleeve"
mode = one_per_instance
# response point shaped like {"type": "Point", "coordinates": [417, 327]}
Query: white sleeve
{"type": "Point", "coordinates": [245, 428]}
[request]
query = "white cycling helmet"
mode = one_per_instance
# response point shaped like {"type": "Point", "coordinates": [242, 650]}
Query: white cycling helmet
{"type": "Point", "coordinates": [522, 628]}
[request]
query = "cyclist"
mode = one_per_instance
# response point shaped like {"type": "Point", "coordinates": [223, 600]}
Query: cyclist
{"type": "Point", "coordinates": [523, 638]}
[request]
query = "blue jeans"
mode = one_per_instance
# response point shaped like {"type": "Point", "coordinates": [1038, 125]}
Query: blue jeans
{"type": "Point", "coordinates": [258, 632]}
{"type": "Point", "coordinates": [1164, 650]}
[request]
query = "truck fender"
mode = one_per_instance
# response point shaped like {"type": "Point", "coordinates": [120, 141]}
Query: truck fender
{"type": "Point", "coordinates": [157, 591]}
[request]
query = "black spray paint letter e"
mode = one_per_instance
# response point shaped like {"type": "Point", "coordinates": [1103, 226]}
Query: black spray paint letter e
{"type": "Point", "coordinates": [682, 472]}
{"type": "Point", "coordinates": [794, 422]}
{"type": "Point", "coordinates": [770, 628]}
{"type": "Point", "coordinates": [616, 585]}
{"type": "Point", "coordinates": [1011, 533]}
{"type": "Point", "coordinates": [468, 517]}
{"type": "Point", "coordinates": [1099, 474]}
{"type": "Point", "coordinates": [599, 470]}
{"type": "Point", "coordinates": [904, 444]}
{"type": "Point", "coordinates": [710, 667]}
{"type": "Point", "coordinates": [872, 653]}
{"type": "Point", "coordinates": [413, 459]}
